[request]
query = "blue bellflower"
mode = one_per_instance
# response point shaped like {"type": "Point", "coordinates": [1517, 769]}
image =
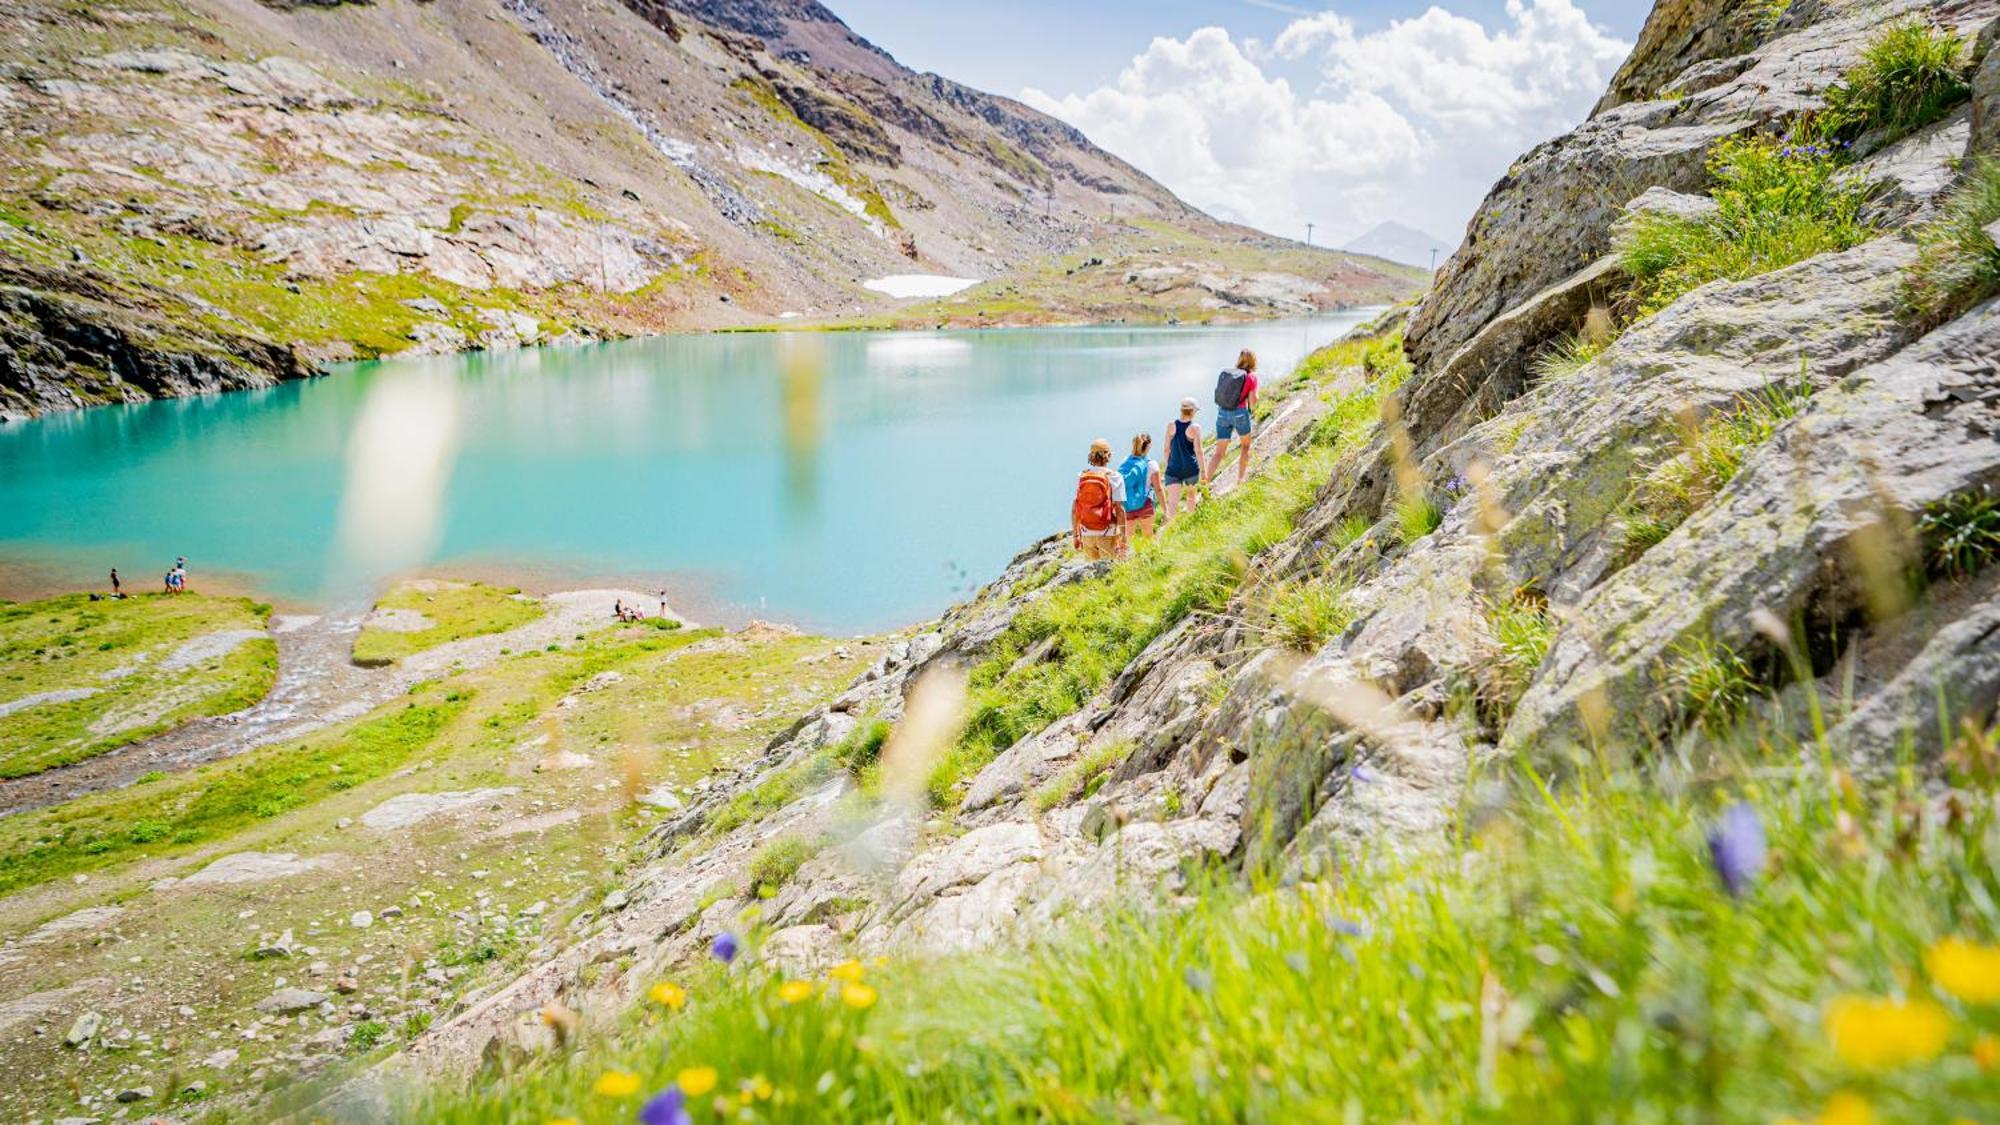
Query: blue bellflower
{"type": "Point", "coordinates": [1736, 848]}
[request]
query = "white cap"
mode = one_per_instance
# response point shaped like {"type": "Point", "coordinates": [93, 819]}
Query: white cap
{"type": "Point", "coordinates": [1190, 404]}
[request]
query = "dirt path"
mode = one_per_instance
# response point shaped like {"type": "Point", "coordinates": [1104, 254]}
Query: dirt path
{"type": "Point", "coordinates": [318, 685]}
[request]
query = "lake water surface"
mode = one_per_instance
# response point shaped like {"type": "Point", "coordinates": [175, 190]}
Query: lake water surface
{"type": "Point", "coordinates": [842, 481]}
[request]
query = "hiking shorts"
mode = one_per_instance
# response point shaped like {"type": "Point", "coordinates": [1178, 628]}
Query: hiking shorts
{"type": "Point", "coordinates": [1193, 477]}
{"type": "Point", "coordinates": [1232, 423]}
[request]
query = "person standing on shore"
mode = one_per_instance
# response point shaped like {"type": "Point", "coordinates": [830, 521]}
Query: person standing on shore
{"type": "Point", "coordinates": [1236, 385]}
{"type": "Point", "coordinates": [116, 590]}
{"type": "Point", "coordinates": [1097, 513]}
{"type": "Point", "coordinates": [1183, 461]}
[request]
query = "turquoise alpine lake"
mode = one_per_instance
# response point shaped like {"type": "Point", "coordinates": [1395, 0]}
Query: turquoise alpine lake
{"type": "Point", "coordinates": [841, 481]}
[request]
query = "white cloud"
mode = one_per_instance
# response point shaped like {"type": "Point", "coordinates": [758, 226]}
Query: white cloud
{"type": "Point", "coordinates": [1413, 121]}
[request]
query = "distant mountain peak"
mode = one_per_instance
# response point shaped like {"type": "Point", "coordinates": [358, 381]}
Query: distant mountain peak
{"type": "Point", "coordinates": [1404, 244]}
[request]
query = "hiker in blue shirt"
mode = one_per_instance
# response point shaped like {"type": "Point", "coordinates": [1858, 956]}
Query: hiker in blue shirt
{"type": "Point", "coordinates": [1142, 487]}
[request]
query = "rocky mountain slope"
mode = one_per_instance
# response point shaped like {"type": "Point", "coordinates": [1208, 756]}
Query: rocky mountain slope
{"type": "Point", "coordinates": [1472, 580]}
{"type": "Point", "coordinates": [215, 193]}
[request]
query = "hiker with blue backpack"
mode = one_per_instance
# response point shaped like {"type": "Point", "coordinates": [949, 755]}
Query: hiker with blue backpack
{"type": "Point", "coordinates": [1141, 476]}
{"type": "Point", "coordinates": [1235, 394]}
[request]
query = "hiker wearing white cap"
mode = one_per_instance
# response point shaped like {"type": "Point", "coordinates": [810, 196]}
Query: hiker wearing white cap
{"type": "Point", "coordinates": [1183, 461]}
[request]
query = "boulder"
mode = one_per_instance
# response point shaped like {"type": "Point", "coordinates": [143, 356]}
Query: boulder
{"type": "Point", "coordinates": [408, 809]}
{"type": "Point", "coordinates": [289, 1001]}
{"type": "Point", "coordinates": [1789, 536]}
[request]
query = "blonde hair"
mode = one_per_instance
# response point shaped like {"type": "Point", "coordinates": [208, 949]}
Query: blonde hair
{"type": "Point", "coordinates": [1246, 360]}
{"type": "Point", "coordinates": [1100, 452]}
{"type": "Point", "coordinates": [1141, 443]}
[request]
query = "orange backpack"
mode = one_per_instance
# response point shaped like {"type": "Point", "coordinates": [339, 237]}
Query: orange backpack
{"type": "Point", "coordinates": [1093, 507]}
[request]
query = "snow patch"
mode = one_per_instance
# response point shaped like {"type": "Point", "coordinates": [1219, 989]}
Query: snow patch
{"type": "Point", "coordinates": [905, 285]}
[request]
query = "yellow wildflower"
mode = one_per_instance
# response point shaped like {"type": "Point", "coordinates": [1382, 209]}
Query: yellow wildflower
{"type": "Point", "coordinates": [1965, 969]}
{"type": "Point", "coordinates": [617, 1084]}
{"type": "Point", "coordinates": [669, 995]}
{"type": "Point", "coordinates": [564, 1121]}
{"type": "Point", "coordinates": [857, 996]}
{"type": "Point", "coordinates": [761, 1087]}
{"type": "Point", "coordinates": [696, 1080]}
{"type": "Point", "coordinates": [1847, 1108]}
{"type": "Point", "coordinates": [849, 971]}
{"type": "Point", "coordinates": [1986, 1051]}
{"type": "Point", "coordinates": [793, 991]}
{"type": "Point", "coordinates": [1875, 1034]}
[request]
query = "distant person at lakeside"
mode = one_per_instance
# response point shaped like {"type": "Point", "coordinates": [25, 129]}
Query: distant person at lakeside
{"type": "Point", "coordinates": [1237, 385]}
{"type": "Point", "coordinates": [1097, 513]}
{"type": "Point", "coordinates": [117, 591]}
{"type": "Point", "coordinates": [1183, 461]}
{"type": "Point", "coordinates": [1140, 475]}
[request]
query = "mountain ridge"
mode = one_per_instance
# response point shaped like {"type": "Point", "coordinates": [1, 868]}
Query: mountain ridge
{"type": "Point", "coordinates": [353, 180]}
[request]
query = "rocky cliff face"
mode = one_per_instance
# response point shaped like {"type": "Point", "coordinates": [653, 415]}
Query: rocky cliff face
{"type": "Point", "coordinates": [360, 179]}
{"type": "Point", "coordinates": [1812, 582]}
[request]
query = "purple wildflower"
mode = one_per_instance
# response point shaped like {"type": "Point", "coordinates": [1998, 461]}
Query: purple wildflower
{"type": "Point", "coordinates": [1361, 775]}
{"type": "Point", "coordinates": [1346, 928]}
{"type": "Point", "coordinates": [1736, 848]}
{"type": "Point", "coordinates": [725, 948]}
{"type": "Point", "coordinates": [1201, 980]}
{"type": "Point", "coordinates": [668, 1107]}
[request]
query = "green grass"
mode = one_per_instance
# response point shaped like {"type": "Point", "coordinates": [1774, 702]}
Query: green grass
{"type": "Point", "coordinates": [212, 802]}
{"type": "Point", "coordinates": [1957, 263]}
{"type": "Point", "coordinates": [118, 650]}
{"type": "Point", "coordinates": [1778, 201]}
{"type": "Point", "coordinates": [1568, 355]}
{"type": "Point", "coordinates": [1415, 516]}
{"type": "Point", "coordinates": [1578, 951]}
{"type": "Point", "coordinates": [1709, 684]}
{"type": "Point", "coordinates": [776, 862]}
{"type": "Point", "coordinates": [456, 610]}
{"type": "Point", "coordinates": [1306, 613]}
{"type": "Point", "coordinates": [1962, 535]}
{"type": "Point", "coordinates": [1082, 777]}
{"type": "Point", "coordinates": [1709, 456]}
{"type": "Point", "coordinates": [778, 788]}
{"type": "Point", "coordinates": [1519, 629]}
{"type": "Point", "coordinates": [1909, 76]}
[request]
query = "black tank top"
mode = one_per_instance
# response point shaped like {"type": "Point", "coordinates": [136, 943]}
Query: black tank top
{"type": "Point", "coordinates": [1181, 459]}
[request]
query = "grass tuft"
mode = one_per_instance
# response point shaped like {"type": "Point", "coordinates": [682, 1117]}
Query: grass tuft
{"type": "Point", "coordinates": [1306, 613]}
{"type": "Point", "coordinates": [776, 862]}
{"type": "Point", "coordinates": [1709, 457]}
{"type": "Point", "coordinates": [1908, 77]}
{"type": "Point", "coordinates": [1962, 534]}
{"type": "Point", "coordinates": [1958, 263]}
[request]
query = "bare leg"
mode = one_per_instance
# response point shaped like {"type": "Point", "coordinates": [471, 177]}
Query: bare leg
{"type": "Point", "coordinates": [1243, 461]}
{"type": "Point", "coordinates": [1215, 458]}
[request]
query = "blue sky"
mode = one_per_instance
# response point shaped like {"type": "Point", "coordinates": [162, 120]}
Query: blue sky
{"type": "Point", "coordinates": [1070, 46]}
{"type": "Point", "coordinates": [1278, 113]}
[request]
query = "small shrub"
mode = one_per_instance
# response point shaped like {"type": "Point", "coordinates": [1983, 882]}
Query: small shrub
{"type": "Point", "coordinates": [1906, 79]}
{"type": "Point", "coordinates": [1957, 263]}
{"type": "Point", "coordinates": [366, 1035]}
{"type": "Point", "coordinates": [1083, 776]}
{"type": "Point", "coordinates": [776, 862]}
{"type": "Point", "coordinates": [1962, 534]}
{"type": "Point", "coordinates": [1306, 613]}
{"type": "Point", "coordinates": [1348, 531]}
{"type": "Point", "coordinates": [1778, 202]}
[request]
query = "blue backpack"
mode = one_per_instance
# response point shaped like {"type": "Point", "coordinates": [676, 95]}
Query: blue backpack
{"type": "Point", "coordinates": [1138, 474]}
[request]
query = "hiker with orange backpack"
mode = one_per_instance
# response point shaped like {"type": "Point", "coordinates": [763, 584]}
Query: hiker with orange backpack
{"type": "Point", "coordinates": [1097, 514]}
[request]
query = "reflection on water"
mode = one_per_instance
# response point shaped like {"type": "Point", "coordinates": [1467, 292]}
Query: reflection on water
{"type": "Point", "coordinates": [802, 367]}
{"type": "Point", "coordinates": [847, 481]}
{"type": "Point", "coordinates": [399, 461]}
